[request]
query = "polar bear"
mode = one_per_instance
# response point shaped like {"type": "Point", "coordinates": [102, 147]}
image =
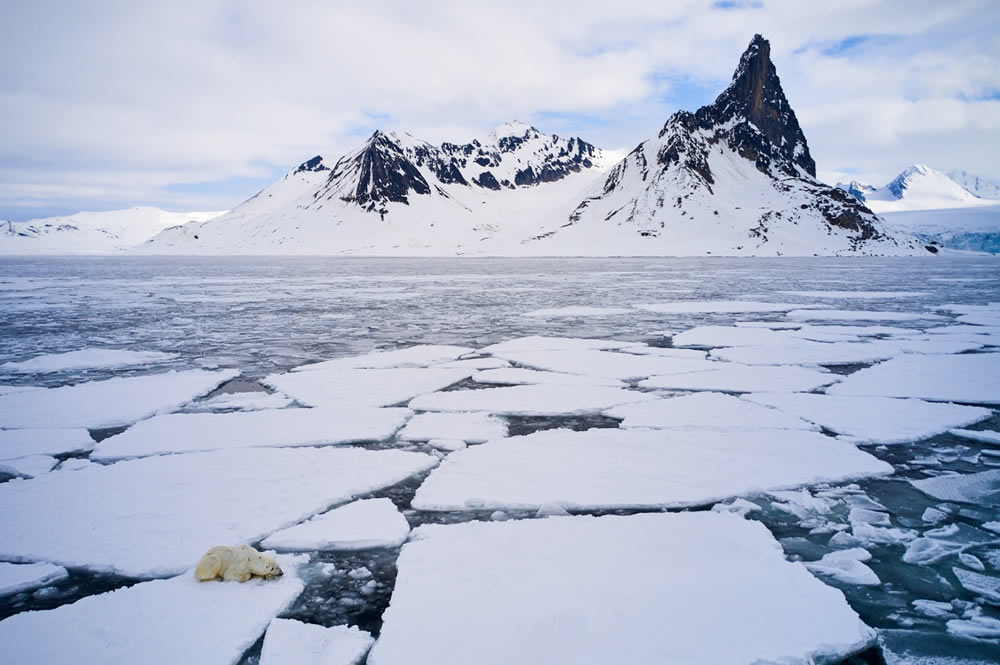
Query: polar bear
{"type": "Point", "coordinates": [236, 563]}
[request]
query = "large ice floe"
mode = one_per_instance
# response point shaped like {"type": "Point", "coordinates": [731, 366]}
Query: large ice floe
{"type": "Point", "coordinates": [360, 525]}
{"type": "Point", "coordinates": [156, 516]}
{"type": "Point", "coordinates": [875, 419]}
{"type": "Point", "coordinates": [16, 443]}
{"type": "Point", "coordinates": [85, 359]}
{"type": "Point", "coordinates": [649, 588]}
{"type": "Point", "coordinates": [981, 488]}
{"type": "Point", "coordinates": [707, 410]}
{"type": "Point", "coordinates": [721, 307]}
{"type": "Point", "coordinates": [973, 378]}
{"type": "Point", "coordinates": [171, 621]}
{"type": "Point", "coordinates": [413, 356]}
{"type": "Point", "coordinates": [191, 432]}
{"type": "Point", "coordinates": [606, 364]}
{"type": "Point", "coordinates": [110, 403]}
{"type": "Point", "coordinates": [291, 642]}
{"type": "Point", "coordinates": [537, 400]}
{"type": "Point", "coordinates": [345, 388]}
{"type": "Point", "coordinates": [733, 377]}
{"type": "Point", "coordinates": [468, 427]}
{"type": "Point", "coordinates": [607, 468]}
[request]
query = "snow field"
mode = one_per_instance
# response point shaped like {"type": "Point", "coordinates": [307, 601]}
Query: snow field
{"type": "Point", "coordinates": [362, 525]}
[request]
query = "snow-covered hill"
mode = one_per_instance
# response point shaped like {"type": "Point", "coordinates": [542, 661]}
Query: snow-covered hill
{"type": "Point", "coordinates": [92, 232]}
{"type": "Point", "coordinates": [981, 187]}
{"type": "Point", "coordinates": [734, 178]}
{"type": "Point", "coordinates": [919, 187]}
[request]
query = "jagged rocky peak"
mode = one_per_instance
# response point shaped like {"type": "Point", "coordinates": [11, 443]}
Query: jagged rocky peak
{"type": "Point", "coordinates": [901, 182]}
{"type": "Point", "coordinates": [755, 96]}
{"type": "Point", "coordinates": [858, 190]}
{"type": "Point", "coordinates": [315, 164]}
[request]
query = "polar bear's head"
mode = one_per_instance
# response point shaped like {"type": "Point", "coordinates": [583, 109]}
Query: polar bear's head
{"type": "Point", "coordinates": [270, 568]}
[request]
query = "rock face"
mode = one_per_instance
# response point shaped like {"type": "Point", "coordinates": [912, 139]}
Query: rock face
{"type": "Point", "coordinates": [742, 163]}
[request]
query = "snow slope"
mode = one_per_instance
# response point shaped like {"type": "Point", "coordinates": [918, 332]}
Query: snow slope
{"type": "Point", "coordinates": [981, 187]}
{"type": "Point", "coordinates": [92, 232]}
{"type": "Point", "coordinates": [920, 187]}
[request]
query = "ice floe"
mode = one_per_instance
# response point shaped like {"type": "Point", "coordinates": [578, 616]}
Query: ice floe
{"type": "Point", "coordinates": [973, 378]}
{"type": "Point", "coordinates": [599, 590]}
{"type": "Point", "coordinates": [606, 364]}
{"type": "Point", "coordinates": [721, 307]}
{"type": "Point", "coordinates": [713, 411]}
{"type": "Point", "coordinates": [468, 427]}
{"type": "Point", "coordinates": [839, 295]}
{"type": "Point", "coordinates": [85, 359]}
{"type": "Point", "coordinates": [354, 388]}
{"type": "Point", "coordinates": [607, 468]}
{"type": "Point", "coordinates": [117, 401]}
{"type": "Point", "coordinates": [521, 376]}
{"type": "Point", "coordinates": [360, 525]}
{"type": "Point", "coordinates": [733, 377]}
{"type": "Point", "coordinates": [28, 467]}
{"type": "Point", "coordinates": [858, 315]}
{"type": "Point", "coordinates": [808, 352]}
{"type": "Point", "coordinates": [291, 642]}
{"type": "Point", "coordinates": [936, 544]}
{"type": "Point", "coordinates": [414, 356]}
{"type": "Point", "coordinates": [983, 436]}
{"type": "Point", "coordinates": [24, 442]}
{"type": "Point", "coordinates": [847, 567]}
{"type": "Point", "coordinates": [539, 400]}
{"type": "Point", "coordinates": [7, 390]}
{"type": "Point", "coordinates": [156, 516]}
{"type": "Point", "coordinates": [243, 401]}
{"type": "Point", "coordinates": [576, 311]}
{"type": "Point", "coordinates": [986, 586]}
{"type": "Point", "coordinates": [541, 343]}
{"type": "Point", "coordinates": [18, 577]}
{"type": "Point", "coordinates": [875, 419]}
{"type": "Point", "coordinates": [978, 626]}
{"type": "Point", "coordinates": [178, 620]}
{"type": "Point", "coordinates": [981, 488]}
{"type": "Point", "coordinates": [191, 432]}
{"type": "Point", "coordinates": [709, 336]}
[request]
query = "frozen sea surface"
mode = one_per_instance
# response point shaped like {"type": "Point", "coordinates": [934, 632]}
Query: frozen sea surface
{"type": "Point", "coordinates": [445, 351]}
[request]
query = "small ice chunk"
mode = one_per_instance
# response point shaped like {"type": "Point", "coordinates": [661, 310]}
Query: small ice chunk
{"type": "Point", "coordinates": [882, 535]}
{"type": "Point", "coordinates": [540, 400]}
{"type": "Point", "coordinates": [700, 569]}
{"type": "Point", "coordinates": [705, 410]}
{"type": "Point", "coordinates": [155, 516]}
{"type": "Point", "coordinates": [18, 577]}
{"type": "Point", "coordinates": [992, 526]}
{"type": "Point", "coordinates": [362, 525]}
{"type": "Point", "coordinates": [846, 567]}
{"type": "Point", "coordinates": [986, 586]}
{"type": "Point", "coordinates": [971, 561]}
{"type": "Point", "coordinates": [875, 419]}
{"type": "Point", "coordinates": [85, 359]}
{"type": "Point", "coordinates": [16, 443]}
{"type": "Point", "coordinates": [521, 376]}
{"type": "Point", "coordinates": [244, 401]}
{"type": "Point", "coordinates": [981, 488]}
{"type": "Point", "coordinates": [983, 436]}
{"type": "Point", "coordinates": [28, 467]}
{"type": "Point", "coordinates": [162, 622]}
{"type": "Point", "coordinates": [979, 626]}
{"type": "Point", "coordinates": [933, 516]}
{"type": "Point", "coordinates": [468, 427]}
{"type": "Point", "coordinates": [802, 503]}
{"type": "Point", "coordinates": [934, 609]}
{"type": "Point", "coordinates": [874, 517]}
{"type": "Point", "coordinates": [733, 377]}
{"type": "Point", "coordinates": [610, 468]}
{"type": "Point", "coordinates": [741, 507]}
{"type": "Point", "coordinates": [360, 573]}
{"type": "Point", "coordinates": [189, 432]}
{"type": "Point", "coordinates": [936, 544]}
{"type": "Point", "coordinates": [551, 510]}
{"type": "Point", "coordinates": [973, 378]}
{"type": "Point", "coordinates": [423, 355]}
{"type": "Point", "coordinates": [288, 641]}
{"type": "Point", "coordinates": [110, 403]}
{"type": "Point", "coordinates": [498, 516]}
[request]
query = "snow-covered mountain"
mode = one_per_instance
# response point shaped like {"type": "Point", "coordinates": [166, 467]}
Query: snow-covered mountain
{"type": "Point", "coordinates": [918, 187]}
{"type": "Point", "coordinates": [972, 228]}
{"type": "Point", "coordinates": [981, 187]}
{"type": "Point", "coordinates": [733, 178]}
{"type": "Point", "coordinates": [92, 232]}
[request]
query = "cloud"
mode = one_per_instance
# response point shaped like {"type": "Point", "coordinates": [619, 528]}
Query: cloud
{"type": "Point", "coordinates": [119, 103]}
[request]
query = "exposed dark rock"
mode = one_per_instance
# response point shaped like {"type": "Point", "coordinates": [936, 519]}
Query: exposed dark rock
{"type": "Point", "coordinates": [487, 180]}
{"type": "Point", "coordinates": [314, 164]}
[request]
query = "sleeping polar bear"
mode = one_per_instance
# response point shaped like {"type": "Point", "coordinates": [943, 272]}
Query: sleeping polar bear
{"type": "Point", "coordinates": [236, 563]}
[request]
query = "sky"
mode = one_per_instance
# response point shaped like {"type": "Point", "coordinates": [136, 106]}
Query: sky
{"type": "Point", "coordinates": [197, 105]}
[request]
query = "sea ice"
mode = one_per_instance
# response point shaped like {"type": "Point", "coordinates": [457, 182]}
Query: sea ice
{"type": "Point", "coordinates": [539, 400]}
{"type": "Point", "coordinates": [983, 436]}
{"type": "Point", "coordinates": [875, 419]}
{"type": "Point", "coordinates": [355, 388]}
{"type": "Point", "coordinates": [973, 378]}
{"type": "Point", "coordinates": [414, 356]}
{"type": "Point", "coordinates": [541, 343]}
{"type": "Point", "coordinates": [710, 336]}
{"type": "Point", "coordinates": [191, 432]}
{"type": "Point", "coordinates": [981, 488]}
{"type": "Point", "coordinates": [847, 567]}
{"type": "Point", "coordinates": [807, 352]}
{"type": "Point", "coordinates": [590, 590]}
{"type": "Point", "coordinates": [576, 311]}
{"type": "Point", "coordinates": [986, 586]}
{"type": "Point", "coordinates": [361, 525]}
{"type": "Point", "coordinates": [521, 376]}
{"type": "Point", "coordinates": [978, 626]}
{"type": "Point", "coordinates": [468, 427]}
{"type": "Point", "coordinates": [609, 468]}
{"type": "Point", "coordinates": [859, 315]}
{"type": "Point", "coordinates": [606, 364]}
{"type": "Point", "coordinates": [28, 467]}
{"type": "Point", "coordinates": [249, 401]}
{"type": "Point", "coordinates": [172, 621]}
{"type": "Point", "coordinates": [721, 307]}
{"type": "Point", "coordinates": [156, 516]}
{"type": "Point", "coordinates": [839, 295]}
{"type": "Point", "coordinates": [16, 443]}
{"type": "Point", "coordinates": [85, 359]}
{"type": "Point", "coordinates": [733, 377]}
{"type": "Point", "coordinates": [18, 577]}
{"type": "Point", "coordinates": [475, 363]}
{"type": "Point", "coordinates": [7, 390]}
{"type": "Point", "coordinates": [110, 403]}
{"type": "Point", "coordinates": [291, 642]}
{"type": "Point", "coordinates": [713, 411]}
